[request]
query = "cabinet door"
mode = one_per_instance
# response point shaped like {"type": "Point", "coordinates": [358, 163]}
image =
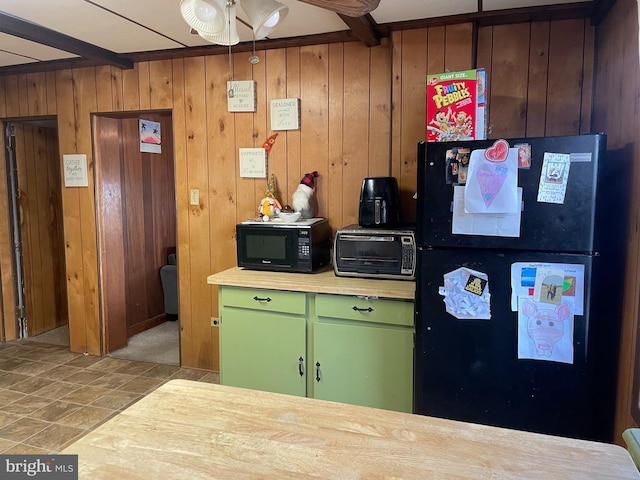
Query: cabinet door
{"type": "Point", "coordinates": [262, 350]}
{"type": "Point", "coordinates": [363, 365]}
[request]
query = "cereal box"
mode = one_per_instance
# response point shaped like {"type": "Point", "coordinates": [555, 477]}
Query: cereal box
{"type": "Point", "coordinates": [456, 107]}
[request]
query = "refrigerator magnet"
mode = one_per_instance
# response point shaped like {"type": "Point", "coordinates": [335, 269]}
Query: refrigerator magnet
{"type": "Point", "coordinates": [451, 165]}
{"type": "Point", "coordinates": [463, 157]}
{"type": "Point", "coordinates": [524, 155]}
{"type": "Point", "coordinates": [475, 285]}
{"type": "Point", "coordinates": [553, 177]}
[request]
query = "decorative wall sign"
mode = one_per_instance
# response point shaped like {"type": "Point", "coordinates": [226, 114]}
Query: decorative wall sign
{"type": "Point", "coordinates": [241, 96]}
{"type": "Point", "coordinates": [253, 162]}
{"type": "Point", "coordinates": [150, 136]}
{"type": "Point", "coordinates": [285, 114]}
{"type": "Point", "coordinates": [75, 170]}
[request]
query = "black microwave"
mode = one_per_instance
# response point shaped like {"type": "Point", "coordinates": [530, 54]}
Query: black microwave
{"type": "Point", "coordinates": [302, 246]}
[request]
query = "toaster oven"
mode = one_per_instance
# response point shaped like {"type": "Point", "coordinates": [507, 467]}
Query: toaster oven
{"type": "Point", "coordinates": [376, 253]}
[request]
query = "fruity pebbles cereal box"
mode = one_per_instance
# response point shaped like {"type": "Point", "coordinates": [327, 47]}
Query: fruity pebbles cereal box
{"type": "Point", "coordinates": [456, 106]}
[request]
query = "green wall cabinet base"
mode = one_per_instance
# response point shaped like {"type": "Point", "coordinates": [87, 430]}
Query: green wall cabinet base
{"type": "Point", "coordinates": [341, 348]}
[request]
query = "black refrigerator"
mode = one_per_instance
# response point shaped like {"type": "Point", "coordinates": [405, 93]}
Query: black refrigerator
{"type": "Point", "coordinates": [504, 369]}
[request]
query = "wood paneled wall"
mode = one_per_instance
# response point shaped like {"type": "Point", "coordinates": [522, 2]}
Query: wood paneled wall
{"type": "Point", "coordinates": [540, 78]}
{"type": "Point", "coordinates": [617, 112]}
{"type": "Point", "coordinates": [41, 235]}
{"type": "Point", "coordinates": [362, 113]}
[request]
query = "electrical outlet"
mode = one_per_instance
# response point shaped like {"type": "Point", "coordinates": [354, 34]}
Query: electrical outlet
{"type": "Point", "coordinates": [215, 321]}
{"type": "Point", "coordinates": [194, 197]}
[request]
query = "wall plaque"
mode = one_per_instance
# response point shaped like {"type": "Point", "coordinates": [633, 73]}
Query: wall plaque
{"type": "Point", "coordinates": [241, 96]}
{"type": "Point", "coordinates": [75, 170]}
{"type": "Point", "coordinates": [253, 162]}
{"type": "Point", "coordinates": [285, 114]}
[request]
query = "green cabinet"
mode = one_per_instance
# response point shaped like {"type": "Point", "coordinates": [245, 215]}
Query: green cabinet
{"type": "Point", "coordinates": [263, 337]}
{"type": "Point", "coordinates": [363, 351]}
{"type": "Point", "coordinates": [343, 348]}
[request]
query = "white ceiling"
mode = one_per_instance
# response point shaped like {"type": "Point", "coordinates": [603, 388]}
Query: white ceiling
{"type": "Point", "coordinates": [127, 26]}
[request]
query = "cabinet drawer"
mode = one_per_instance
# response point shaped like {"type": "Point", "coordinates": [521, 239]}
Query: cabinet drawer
{"type": "Point", "coordinates": [264, 300]}
{"type": "Point", "coordinates": [380, 310]}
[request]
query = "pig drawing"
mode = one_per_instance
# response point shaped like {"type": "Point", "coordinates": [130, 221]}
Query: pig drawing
{"type": "Point", "coordinates": [545, 326]}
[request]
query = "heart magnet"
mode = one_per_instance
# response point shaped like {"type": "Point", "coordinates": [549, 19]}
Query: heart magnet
{"type": "Point", "coordinates": [498, 152]}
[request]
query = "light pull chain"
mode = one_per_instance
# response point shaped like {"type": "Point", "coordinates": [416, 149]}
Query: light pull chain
{"type": "Point", "coordinates": [254, 59]}
{"type": "Point", "coordinates": [230, 93]}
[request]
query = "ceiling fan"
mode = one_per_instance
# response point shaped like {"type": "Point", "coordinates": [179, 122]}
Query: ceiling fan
{"type": "Point", "coordinates": [350, 8]}
{"type": "Point", "coordinates": [215, 20]}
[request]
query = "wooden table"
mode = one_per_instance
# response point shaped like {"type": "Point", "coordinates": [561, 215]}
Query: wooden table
{"type": "Point", "coordinates": [191, 430]}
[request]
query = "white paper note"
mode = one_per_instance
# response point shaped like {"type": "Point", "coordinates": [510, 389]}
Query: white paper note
{"type": "Point", "coordinates": [492, 185]}
{"type": "Point", "coordinates": [545, 331]}
{"type": "Point", "coordinates": [523, 282]}
{"type": "Point", "coordinates": [487, 224]}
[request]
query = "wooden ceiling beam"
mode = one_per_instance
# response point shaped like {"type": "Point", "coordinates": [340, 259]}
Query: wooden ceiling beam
{"type": "Point", "coordinates": [352, 8]}
{"type": "Point", "coordinates": [499, 17]}
{"type": "Point", "coordinates": [18, 27]}
{"type": "Point", "coordinates": [364, 28]}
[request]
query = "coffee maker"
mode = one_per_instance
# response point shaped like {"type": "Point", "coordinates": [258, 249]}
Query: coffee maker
{"type": "Point", "coordinates": [379, 203]}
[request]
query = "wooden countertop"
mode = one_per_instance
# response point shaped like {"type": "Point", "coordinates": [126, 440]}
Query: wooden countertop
{"type": "Point", "coordinates": [324, 281]}
{"type": "Point", "coordinates": [192, 430]}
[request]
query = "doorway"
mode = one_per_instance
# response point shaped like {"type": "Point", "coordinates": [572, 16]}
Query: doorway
{"type": "Point", "coordinates": [136, 223]}
{"type": "Point", "coordinates": [35, 208]}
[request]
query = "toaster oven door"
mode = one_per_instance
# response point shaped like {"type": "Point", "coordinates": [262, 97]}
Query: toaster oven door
{"type": "Point", "coordinates": [369, 254]}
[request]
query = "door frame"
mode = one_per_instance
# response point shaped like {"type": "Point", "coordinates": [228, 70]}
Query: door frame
{"type": "Point", "coordinates": [112, 289]}
{"type": "Point", "coordinates": [11, 274]}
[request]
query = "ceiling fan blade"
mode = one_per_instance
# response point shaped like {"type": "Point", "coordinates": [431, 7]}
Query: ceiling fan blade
{"type": "Point", "coordinates": [350, 8]}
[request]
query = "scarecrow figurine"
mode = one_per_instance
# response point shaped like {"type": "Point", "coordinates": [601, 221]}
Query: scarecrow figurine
{"type": "Point", "coordinates": [270, 206]}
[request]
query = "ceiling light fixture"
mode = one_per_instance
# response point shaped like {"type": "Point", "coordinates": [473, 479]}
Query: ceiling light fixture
{"type": "Point", "coordinates": [204, 16]}
{"type": "Point", "coordinates": [215, 20]}
{"type": "Point", "coordinates": [228, 35]}
{"type": "Point", "coordinates": [264, 15]}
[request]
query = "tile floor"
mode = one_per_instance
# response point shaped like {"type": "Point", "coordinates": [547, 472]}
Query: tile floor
{"type": "Point", "coordinates": [50, 397]}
